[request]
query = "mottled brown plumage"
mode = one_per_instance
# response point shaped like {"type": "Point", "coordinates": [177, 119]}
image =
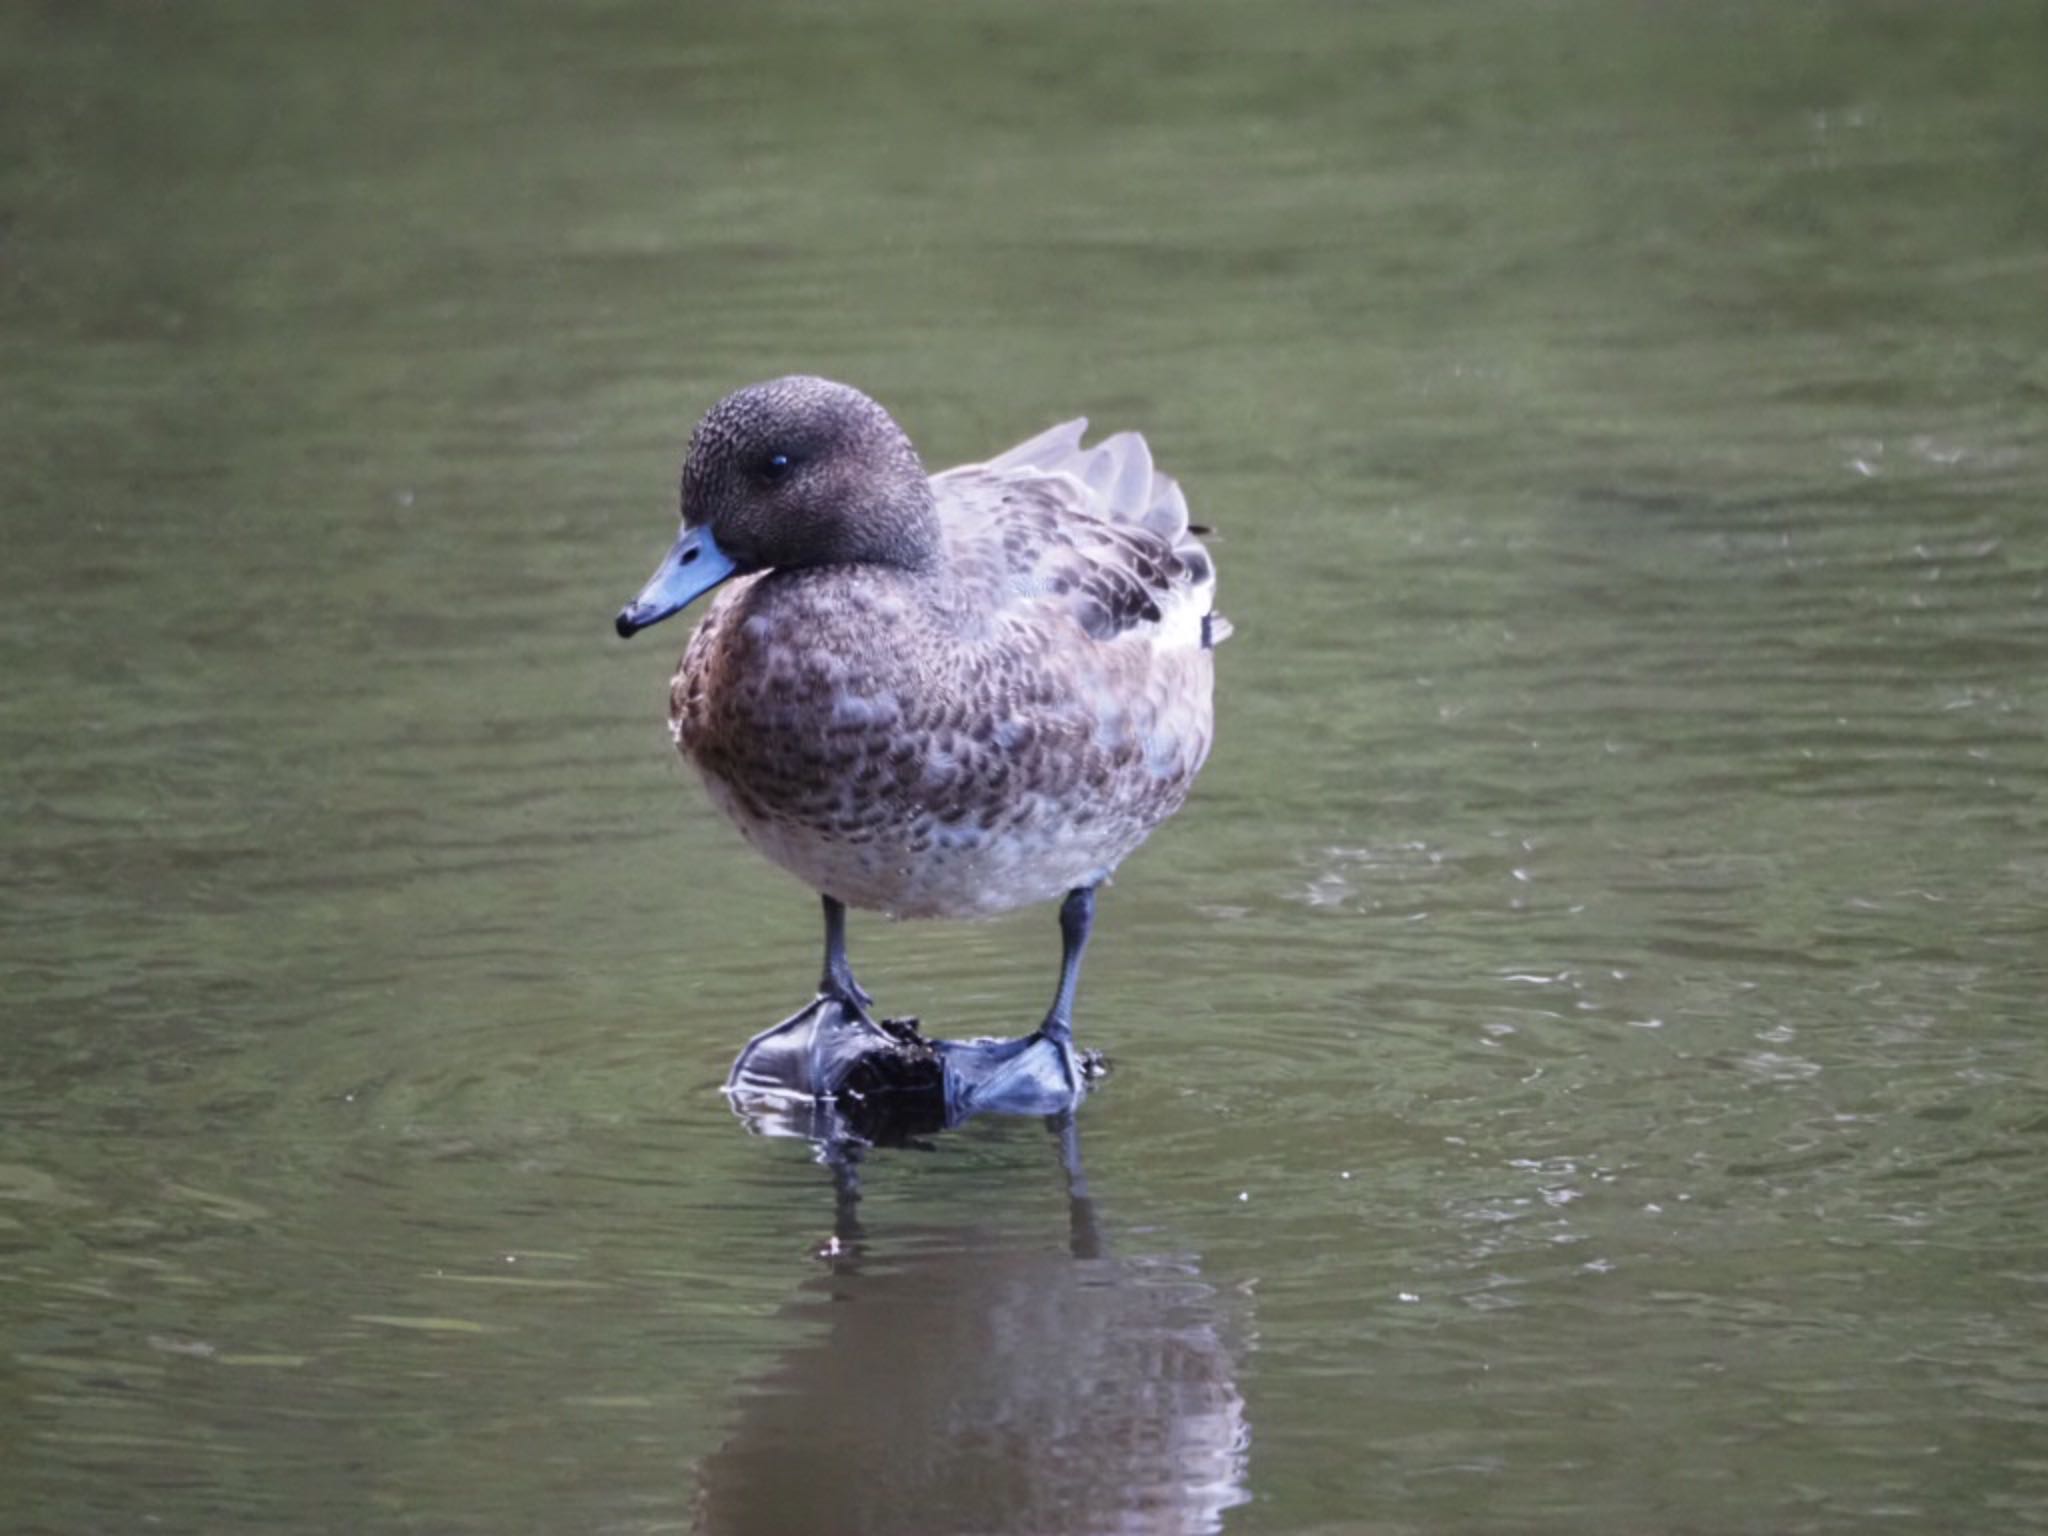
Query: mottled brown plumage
{"type": "Point", "coordinates": [962, 734]}
{"type": "Point", "coordinates": [935, 696]}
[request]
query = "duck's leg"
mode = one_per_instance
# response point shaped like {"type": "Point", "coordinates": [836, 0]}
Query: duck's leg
{"type": "Point", "coordinates": [837, 983]}
{"type": "Point", "coordinates": [812, 1053]}
{"type": "Point", "coordinates": [1077, 917]}
{"type": "Point", "coordinates": [1041, 1073]}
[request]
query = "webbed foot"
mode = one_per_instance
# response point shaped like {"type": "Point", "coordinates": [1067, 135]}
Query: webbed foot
{"type": "Point", "coordinates": [809, 1054]}
{"type": "Point", "coordinates": [832, 1075]}
{"type": "Point", "coordinates": [1040, 1074]}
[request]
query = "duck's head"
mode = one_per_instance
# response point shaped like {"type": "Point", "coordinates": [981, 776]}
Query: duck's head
{"type": "Point", "coordinates": [794, 472]}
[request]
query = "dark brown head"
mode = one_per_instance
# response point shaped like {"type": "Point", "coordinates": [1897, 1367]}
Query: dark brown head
{"type": "Point", "coordinates": [795, 472]}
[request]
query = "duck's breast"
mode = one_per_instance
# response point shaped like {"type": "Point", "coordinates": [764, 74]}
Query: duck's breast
{"type": "Point", "coordinates": [863, 742]}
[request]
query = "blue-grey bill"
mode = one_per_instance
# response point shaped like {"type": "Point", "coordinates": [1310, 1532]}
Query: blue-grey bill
{"type": "Point", "coordinates": [691, 569]}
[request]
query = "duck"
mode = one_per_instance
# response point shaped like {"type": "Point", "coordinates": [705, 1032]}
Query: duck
{"type": "Point", "coordinates": [935, 696]}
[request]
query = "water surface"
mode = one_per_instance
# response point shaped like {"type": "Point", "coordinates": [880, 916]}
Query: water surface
{"type": "Point", "coordinates": [1577, 1057]}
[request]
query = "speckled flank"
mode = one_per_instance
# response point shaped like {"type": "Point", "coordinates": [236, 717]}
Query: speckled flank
{"type": "Point", "coordinates": [994, 729]}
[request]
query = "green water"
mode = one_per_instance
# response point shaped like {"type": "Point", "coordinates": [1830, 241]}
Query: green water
{"type": "Point", "coordinates": [1577, 1057]}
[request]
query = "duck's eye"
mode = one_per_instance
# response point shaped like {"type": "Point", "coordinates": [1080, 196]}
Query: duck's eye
{"type": "Point", "coordinates": [775, 464]}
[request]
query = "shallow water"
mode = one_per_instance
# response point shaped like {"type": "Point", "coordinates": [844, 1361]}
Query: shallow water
{"type": "Point", "coordinates": [1576, 1059]}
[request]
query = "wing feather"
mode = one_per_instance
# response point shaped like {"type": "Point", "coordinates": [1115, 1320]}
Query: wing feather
{"type": "Point", "coordinates": [1097, 531]}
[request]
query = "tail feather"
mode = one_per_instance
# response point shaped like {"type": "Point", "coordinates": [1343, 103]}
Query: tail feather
{"type": "Point", "coordinates": [1120, 468]}
{"type": "Point", "coordinates": [1049, 450]}
{"type": "Point", "coordinates": [1168, 514]}
{"type": "Point", "coordinates": [1123, 483]}
{"type": "Point", "coordinates": [1123, 486]}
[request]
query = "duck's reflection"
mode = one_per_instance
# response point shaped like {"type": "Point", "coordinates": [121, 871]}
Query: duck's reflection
{"type": "Point", "coordinates": [972, 1382]}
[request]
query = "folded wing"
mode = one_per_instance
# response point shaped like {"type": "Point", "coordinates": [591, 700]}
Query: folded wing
{"type": "Point", "coordinates": [1098, 531]}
